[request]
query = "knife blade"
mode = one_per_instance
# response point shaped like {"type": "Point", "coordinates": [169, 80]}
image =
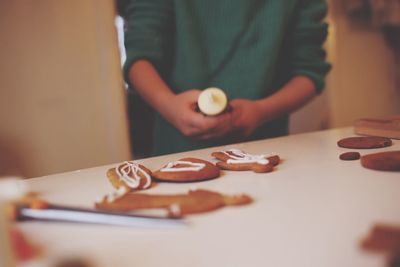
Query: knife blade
{"type": "Point", "coordinates": [155, 218]}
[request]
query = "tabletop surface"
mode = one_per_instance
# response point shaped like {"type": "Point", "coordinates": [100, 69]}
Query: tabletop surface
{"type": "Point", "coordinates": [312, 210]}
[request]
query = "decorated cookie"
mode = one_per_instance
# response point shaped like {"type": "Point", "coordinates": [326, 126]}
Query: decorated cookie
{"type": "Point", "coordinates": [212, 101]}
{"type": "Point", "coordinates": [350, 156]}
{"type": "Point", "coordinates": [187, 170]}
{"type": "Point", "coordinates": [364, 142]}
{"type": "Point", "coordinates": [130, 175]}
{"type": "Point", "coordinates": [237, 160]}
{"type": "Point", "coordinates": [196, 201]}
{"type": "Point", "coordinates": [383, 161]}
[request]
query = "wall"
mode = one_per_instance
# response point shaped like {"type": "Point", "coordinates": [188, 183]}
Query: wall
{"type": "Point", "coordinates": [62, 102]}
{"type": "Point", "coordinates": [362, 82]}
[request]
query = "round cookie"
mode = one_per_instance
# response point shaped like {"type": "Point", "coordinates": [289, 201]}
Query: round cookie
{"type": "Point", "coordinates": [350, 156]}
{"type": "Point", "coordinates": [130, 175]}
{"type": "Point", "coordinates": [237, 160]}
{"type": "Point", "coordinates": [187, 170]}
{"type": "Point", "coordinates": [364, 142]}
{"type": "Point", "coordinates": [383, 161]}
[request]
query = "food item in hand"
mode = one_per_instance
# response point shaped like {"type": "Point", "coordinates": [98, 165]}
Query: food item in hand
{"type": "Point", "coordinates": [187, 170]}
{"type": "Point", "coordinates": [195, 201]}
{"type": "Point", "coordinates": [212, 101]}
{"type": "Point", "coordinates": [383, 161]}
{"type": "Point", "coordinates": [350, 155]}
{"type": "Point", "coordinates": [364, 142]}
{"type": "Point", "coordinates": [237, 160]}
{"type": "Point", "coordinates": [130, 175]}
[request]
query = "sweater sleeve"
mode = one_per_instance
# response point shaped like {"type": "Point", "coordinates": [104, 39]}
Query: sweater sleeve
{"type": "Point", "coordinates": [304, 51]}
{"type": "Point", "coordinates": [148, 32]}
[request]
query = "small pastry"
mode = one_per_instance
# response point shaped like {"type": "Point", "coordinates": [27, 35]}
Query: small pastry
{"type": "Point", "coordinates": [212, 101]}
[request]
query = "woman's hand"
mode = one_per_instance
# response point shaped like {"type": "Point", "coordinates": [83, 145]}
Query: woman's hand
{"type": "Point", "coordinates": [246, 116]}
{"type": "Point", "coordinates": [181, 112]}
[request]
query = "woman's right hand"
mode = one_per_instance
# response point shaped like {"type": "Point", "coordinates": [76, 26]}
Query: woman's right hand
{"type": "Point", "coordinates": [181, 112]}
{"type": "Point", "coordinates": [178, 109]}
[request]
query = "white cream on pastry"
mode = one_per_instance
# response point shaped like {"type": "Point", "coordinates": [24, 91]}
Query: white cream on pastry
{"type": "Point", "coordinates": [129, 172]}
{"type": "Point", "coordinates": [120, 192]}
{"type": "Point", "coordinates": [237, 156]}
{"type": "Point", "coordinates": [191, 166]}
{"type": "Point", "coordinates": [212, 101]}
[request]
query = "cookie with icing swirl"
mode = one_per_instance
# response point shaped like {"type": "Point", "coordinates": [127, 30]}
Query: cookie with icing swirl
{"type": "Point", "coordinates": [131, 175]}
{"type": "Point", "coordinates": [187, 170]}
{"type": "Point", "coordinates": [237, 160]}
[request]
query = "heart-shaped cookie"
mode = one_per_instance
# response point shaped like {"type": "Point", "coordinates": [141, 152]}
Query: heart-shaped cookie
{"type": "Point", "coordinates": [187, 170]}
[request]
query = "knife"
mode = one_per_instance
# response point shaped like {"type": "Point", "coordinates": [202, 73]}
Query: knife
{"type": "Point", "coordinates": [149, 218]}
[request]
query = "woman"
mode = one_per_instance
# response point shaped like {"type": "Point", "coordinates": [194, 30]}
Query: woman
{"type": "Point", "coordinates": [265, 54]}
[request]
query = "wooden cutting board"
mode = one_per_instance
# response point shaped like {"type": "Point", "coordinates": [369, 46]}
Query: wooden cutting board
{"type": "Point", "coordinates": [385, 127]}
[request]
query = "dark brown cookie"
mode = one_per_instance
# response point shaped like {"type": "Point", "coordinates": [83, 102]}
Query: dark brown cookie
{"type": "Point", "coordinates": [383, 161]}
{"type": "Point", "coordinates": [350, 156]}
{"type": "Point", "coordinates": [382, 237]}
{"type": "Point", "coordinates": [364, 142]}
{"type": "Point", "coordinates": [187, 170]}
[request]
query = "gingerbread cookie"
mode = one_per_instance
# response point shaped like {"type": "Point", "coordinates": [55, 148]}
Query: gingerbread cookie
{"type": "Point", "coordinates": [383, 161]}
{"type": "Point", "coordinates": [364, 142]}
{"type": "Point", "coordinates": [196, 201]}
{"type": "Point", "coordinates": [187, 170]}
{"type": "Point", "coordinates": [350, 156]}
{"type": "Point", "coordinates": [237, 160]}
{"type": "Point", "coordinates": [130, 175]}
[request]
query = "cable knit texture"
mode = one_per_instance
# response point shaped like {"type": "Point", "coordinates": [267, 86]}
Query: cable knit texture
{"type": "Point", "coordinates": [249, 48]}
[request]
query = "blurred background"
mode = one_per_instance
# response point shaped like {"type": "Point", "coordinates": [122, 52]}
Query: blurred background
{"type": "Point", "coordinates": [64, 105]}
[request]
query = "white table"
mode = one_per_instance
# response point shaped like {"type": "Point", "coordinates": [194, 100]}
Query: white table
{"type": "Point", "coordinates": [311, 211]}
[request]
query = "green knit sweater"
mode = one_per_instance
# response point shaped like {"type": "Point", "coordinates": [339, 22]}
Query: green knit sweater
{"type": "Point", "coordinates": [249, 48]}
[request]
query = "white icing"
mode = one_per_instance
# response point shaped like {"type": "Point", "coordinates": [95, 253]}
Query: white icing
{"type": "Point", "coordinates": [193, 166]}
{"type": "Point", "coordinates": [175, 209]}
{"type": "Point", "coordinates": [237, 156]}
{"type": "Point", "coordinates": [120, 192]}
{"type": "Point", "coordinates": [129, 172]}
{"type": "Point", "coordinates": [99, 199]}
{"type": "Point", "coordinates": [238, 161]}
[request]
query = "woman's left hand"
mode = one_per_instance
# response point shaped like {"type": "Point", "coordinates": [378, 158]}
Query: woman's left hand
{"type": "Point", "coordinates": [246, 115]}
